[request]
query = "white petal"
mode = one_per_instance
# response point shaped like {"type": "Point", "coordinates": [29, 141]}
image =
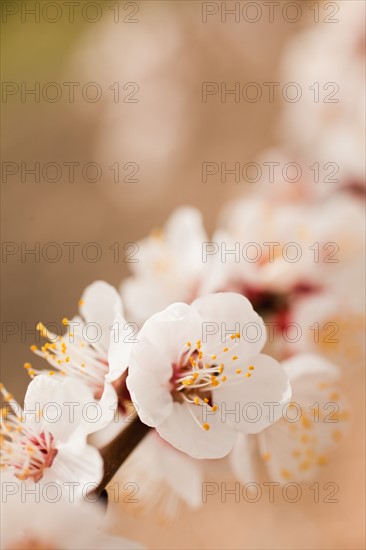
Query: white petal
{"type": "Point", "coordinates": [80, 463]}
{"type": "Point", "coordinates": [100, 303]}
{"type": "Point", "coordinates": [151, 393]}
{"type": "Point", "coordinates": [311, 367]}
{"type": "Point", "coordinates": [121, 342]}
{"type": "Point", "coordinates": [170, 329]}
{"type": "Point", "coordinates": [250, 397]}
{"type": "Point", "coordinates": [226, 312]}
{"type": "Point", "coordinates": [61, 403]}
{"type": "Point", "coordinates": [181, 431]}
{"type": "Point", "coordinates": [107, 406]}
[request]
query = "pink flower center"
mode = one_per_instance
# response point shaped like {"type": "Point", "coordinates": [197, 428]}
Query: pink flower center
{"type": "Point", "coordinates": [37, 453]}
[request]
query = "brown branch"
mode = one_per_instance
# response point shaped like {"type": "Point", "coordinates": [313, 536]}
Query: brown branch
{"type": "Point", "coordinates": [116, 452]}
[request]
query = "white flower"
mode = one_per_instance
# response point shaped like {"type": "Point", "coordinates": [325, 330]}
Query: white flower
{"type": "Point", "coordinates": [27, 525]}
{"type": "Point", "coordinates": [286, 248]}
{"type": "Point", "coordinates": [294, 447]}
{"type": "Point", "coordinates": [170, 267]}
{"type": "Point", "coordinates": [86, 352]}
{"type": "Point", "coordinates": [46, 441]}
{"type": "Point", "coordinates": [181, 379]}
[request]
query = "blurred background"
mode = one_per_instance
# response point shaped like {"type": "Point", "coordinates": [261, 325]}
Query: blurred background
{"type": "Point", "coordinates": [105, 128]}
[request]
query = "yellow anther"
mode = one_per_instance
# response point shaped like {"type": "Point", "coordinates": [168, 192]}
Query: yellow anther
{"type": "Point", "coordinates": [226, 349]}
{"type": "Point", "coordinates": [198, 344]}
{"type": "Point", "coordinates": [213, 356]}
{"type": "Point", "coordinates": [234, 357]}
{"type": "Point", "coordinates": [65, 321]}
{"type": "Point", "coordinates": [220, 369]}
{"type": "Point", "coordinates": [51, 373]}
{"type": "Point", "coordinates": [83, 365]}
{"type": "Point", "coordinates": [322, 460]}
{"type": "Point", "coordinates": [336, 435]}
{"type": "Point", "coordinates": [205, 400]}
{"type": "Point", "coordinates": [187, 382]}
{"type": "Point", "coordinates": [304, 465]}
{"type": "Point", "coordinates": [237, 335]}
{"type": "Point", "coordinates": [306, 422]}
{"type": "Point", "coordinates": [248, 375]}
{"type": "Point", "coordinates": [206, 426]}
{"type": "Point", "coordinates": [81, 302]}
{"type": "Point", "coordinates": [224, 378]}
{"type": "Point", "coordinates": [200, 355]}
{"type": "Point", "coordinates": [238, 371]}
{"type": "Point", "coordinates": [195, 375]}
{"type": "Point", "coordinates": [266, 456]}
{"type": "Point", "coordinates": [33, 347]}
{"type": "Point", "coordinates": [214, 408]}
{"type": "Point", "coordinates": [27, 366]}
{"type": "Point", "coordinates": [232, 337]}
{"type": "Point", "coordinates": [251, 367]}
{"type": "Point", "coordinates": [196, 401]}
{"type": "Point", "coordinates": [67, 359]}
{"type": "Point", "coordinates": [285, 474]}
{"type": "Point", "coordinates": [188, 344]}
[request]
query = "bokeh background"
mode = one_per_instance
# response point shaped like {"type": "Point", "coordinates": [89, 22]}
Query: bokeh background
{"type": "Point", "coordinates": [167, 51]}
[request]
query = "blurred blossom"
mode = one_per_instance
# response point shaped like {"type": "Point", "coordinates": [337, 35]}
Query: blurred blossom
{"type": "Point", "coordinates": [333, 324]}
{"type": "Point", "coordinates": [289, 247]}
{"type": "Point", "coordinates": [327, 125]}
{"type": "Point", "coordinates": [166, 478]}
{"type": "Point", "coordinates": [58, 525]}
{"type": "Point", "coordinates": [299, 443]}
{"type": "Point", "coordinates": [170, 267]}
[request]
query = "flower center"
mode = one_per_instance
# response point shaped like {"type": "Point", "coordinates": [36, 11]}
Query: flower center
{"type": "Point", "coordinates": [198, 372]}
{"type": "Point", "coordinates": [24, 450]}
